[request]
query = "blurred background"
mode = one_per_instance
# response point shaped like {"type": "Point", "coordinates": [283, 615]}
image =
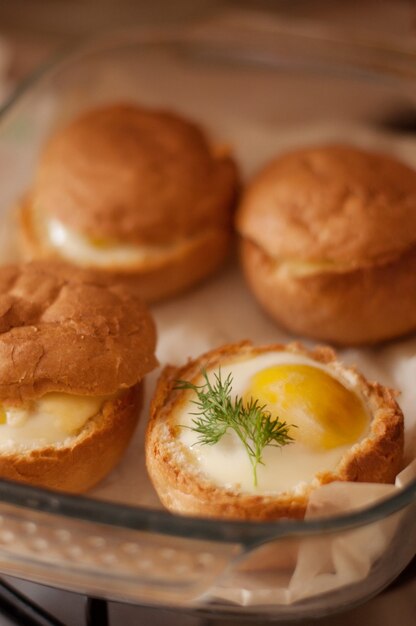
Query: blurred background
{"type": "Point", "coordinates": [31, 30]}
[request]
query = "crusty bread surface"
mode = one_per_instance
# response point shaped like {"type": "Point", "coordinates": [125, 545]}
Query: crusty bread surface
{"type": "Point", "coordinates": [328, 243]}
{"type": "Point", "coordinates": [126, 173]}
{"type": "Point", "coordinates": [333, 202]}
{"type": "Point", "coordinates": [183, 489]}
{"type": "Point", "coordinates": [70, 330]}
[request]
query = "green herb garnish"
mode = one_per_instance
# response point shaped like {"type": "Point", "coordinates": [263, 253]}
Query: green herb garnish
{"type": "Point", "coordinates": [218, 411]}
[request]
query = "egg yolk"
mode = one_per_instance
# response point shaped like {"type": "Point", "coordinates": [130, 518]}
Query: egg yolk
{"type": "Point", "coordinates": [101, 243]}
{"type": "Point", "coordinates": [326, 413]}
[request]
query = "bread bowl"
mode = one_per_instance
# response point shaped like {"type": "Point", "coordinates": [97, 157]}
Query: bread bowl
{"type": "Point", "coordinates": [216, 480]}
{"type": "Point", "coordinates": [74, 348]}
{"type": "Point", "coordinates": [328, 243]}
{"type": "Point", "coordinates": [136, 192]}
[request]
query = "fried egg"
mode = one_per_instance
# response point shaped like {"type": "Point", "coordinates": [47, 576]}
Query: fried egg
{"type": "Point", "coordinates": [327, 417]}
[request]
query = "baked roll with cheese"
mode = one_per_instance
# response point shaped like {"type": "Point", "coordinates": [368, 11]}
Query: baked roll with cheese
{"type": "Point", "coordinates": [74, 348]}
{"type": "Point", "coordinates": [137, 192]}
{"type": "Point", "coordinates": [248, 432]}
{"type": "Point", "coordinates": [328, 243]}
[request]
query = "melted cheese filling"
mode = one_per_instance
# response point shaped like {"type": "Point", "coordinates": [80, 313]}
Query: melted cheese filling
{"type": "Point", "coordinates": [48, 420]}
{"type": "Point", "coordinates": [330, 418]}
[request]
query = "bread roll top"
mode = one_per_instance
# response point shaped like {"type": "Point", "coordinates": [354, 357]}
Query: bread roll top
{"type": "Point", "coordinates": [70, 330]}
{"type": "Point", "coordinates": [130, 174]}
{"type": "Point", "coordinates": [333, 203]}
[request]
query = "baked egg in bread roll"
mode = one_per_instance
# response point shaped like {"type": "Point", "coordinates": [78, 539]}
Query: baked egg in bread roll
{"type": "Point", "coordinates": [74, 348]}
{"type": "Point", "coordinates": [136, 192]}
{"type": "Point", "coordinates": [328, 243]}
{"type": "Point", "coordinates": [248, 432]}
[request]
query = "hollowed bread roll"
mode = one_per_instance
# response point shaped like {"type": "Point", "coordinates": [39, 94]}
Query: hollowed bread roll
{"type": "Point", "coordinates": [74, 348]}
{"type": "Point", "coordinates": [328, 243]}
{"type": "Point", "coordinates": [344, 429]}
{"type": "Point", "coordinates": [137, 192]}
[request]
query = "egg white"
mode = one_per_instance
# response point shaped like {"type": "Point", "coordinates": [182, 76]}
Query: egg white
{"type": "Point", "coordinates": [226, 463]}
{"type": "Point", "coordinates": [76, 247]}
{"type": "Point", "coordinates": [51, 419]}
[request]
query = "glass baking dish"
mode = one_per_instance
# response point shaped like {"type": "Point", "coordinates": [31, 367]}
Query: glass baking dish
{"type": "Point", "coordinates": [247, 85]}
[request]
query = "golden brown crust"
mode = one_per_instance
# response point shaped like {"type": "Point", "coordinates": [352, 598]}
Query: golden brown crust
{"type": "Point", "coordinates": [131, 174]}
{"type": "Point", "coordinates": [183, 489]}
{"type": "Point", "coordinates": [70, 330]}
{"type": "Point", "coordinates": [85, 459]}
{"type": "Point", "coordinates": [364, 305]}
{"type": "Point", "coordinates": [185, 265]}
{"type": "Point", "coordinates": [335, 202]}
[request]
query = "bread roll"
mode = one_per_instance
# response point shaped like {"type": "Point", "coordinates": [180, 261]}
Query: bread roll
{"type": "Point", "coordinates": [136, 192]}
{"type": "Point", "coordinates": [74, 348]}
{"type": "Point", "coordinates": [328, 243]}
{"type": "Point", "coordinates": [192, 478]}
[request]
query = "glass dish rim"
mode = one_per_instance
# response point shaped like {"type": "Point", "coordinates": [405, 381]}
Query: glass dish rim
{"type": "Point", "coordinates": [84, 508]}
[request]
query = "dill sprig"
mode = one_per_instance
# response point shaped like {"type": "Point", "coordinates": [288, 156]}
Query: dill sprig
{"type": "Point", "coordinates": [217, 411]}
